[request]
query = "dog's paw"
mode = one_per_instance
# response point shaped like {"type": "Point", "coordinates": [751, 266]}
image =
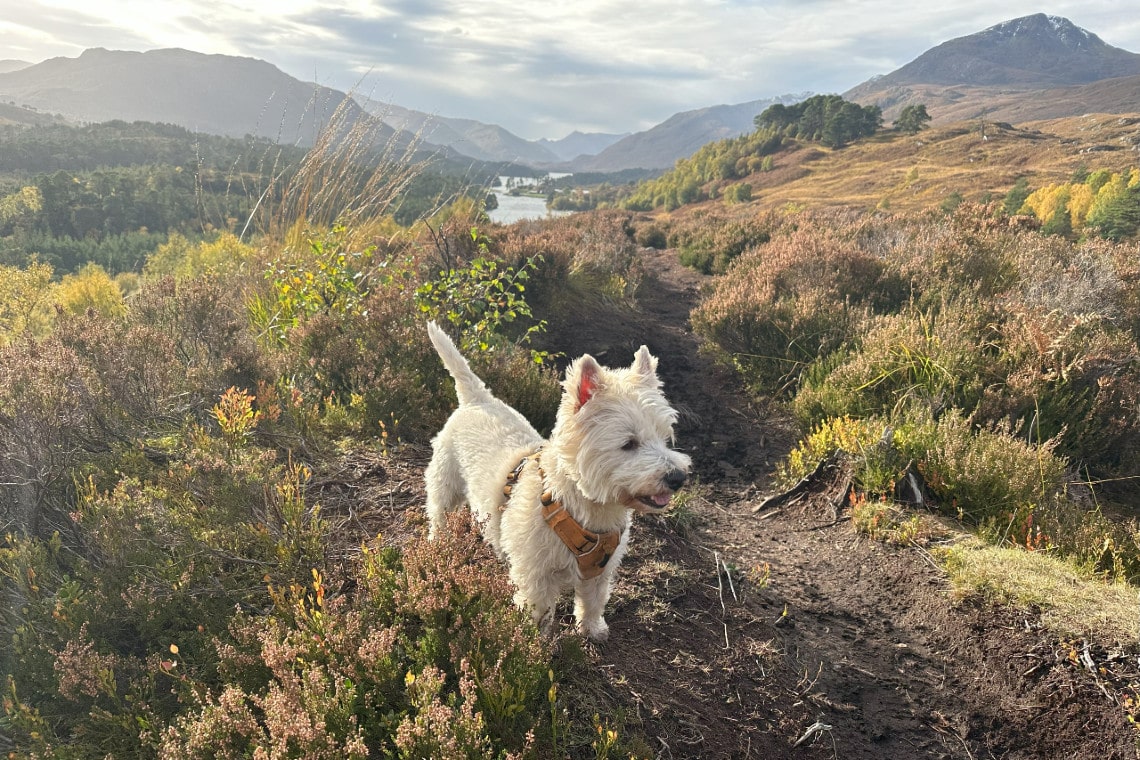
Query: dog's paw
{"type": "Point", "coordinates": [596, 631]}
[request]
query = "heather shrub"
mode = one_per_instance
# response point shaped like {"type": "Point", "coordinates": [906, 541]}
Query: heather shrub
{"type": "Point", "coordinates": [652, 235]}
{"type": "Point", "coordinates": [1003, 324]}
{"type": "Point", "coordinates": [987, 476]}
{"type": "Point", "coordinates": [601, 241]}
{"type": "Point", "coordinates": [709, 242]}
{"type": "Point", "coordinates": [1010, 364]}
{"type": "Point", "coordinates": [931, 360]}
{"type": "Point", "coordinates": [1074, 378]}
{"type": "Point", "coordinates": [964, 256]}
{"type": "Point", "coordinates": [129, 641]}
{"type": "Point", "coordinates": [800, 297]}
{"type": "Point", "coordinates": [173, 352]}
{"type": "Point", "coordinates": [583, 262]}
{"type": "Point", "coordinates": [428, 659]}
{"type": "Point", "coordinates": [593, 253]}
{"type": "Point", "coordinates": [152, 567]}
{"type": "Point", "coordinates": [50, 405]}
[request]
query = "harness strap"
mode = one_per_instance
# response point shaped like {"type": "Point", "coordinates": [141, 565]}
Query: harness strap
{"type": "Point", "coordinates": [592, 550]}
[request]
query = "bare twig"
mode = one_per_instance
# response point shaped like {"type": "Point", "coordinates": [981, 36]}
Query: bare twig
{"type": "Point", "coordinates": [815, 728]}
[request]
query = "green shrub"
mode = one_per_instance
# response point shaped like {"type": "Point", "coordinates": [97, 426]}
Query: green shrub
{"type": "Point", "coordinates": [710, 243]}
{"type": "Point", "coordinates": [902, 361]}
{"type": "Point", "coordinates": [989, 476]}
{"type": "Point", "coordinates": [738, 193]}
{"type": "Point", "coordinates": [652, 236]}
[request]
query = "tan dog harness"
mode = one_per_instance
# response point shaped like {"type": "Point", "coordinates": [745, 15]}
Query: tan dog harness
{"type": "Point", "coordinates": [592, 550]}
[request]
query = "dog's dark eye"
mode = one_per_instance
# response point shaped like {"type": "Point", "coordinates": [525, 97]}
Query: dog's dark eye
{"type": "Point", "coordinates": [630, 445]}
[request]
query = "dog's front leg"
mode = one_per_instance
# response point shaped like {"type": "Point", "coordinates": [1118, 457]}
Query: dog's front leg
{"type": "Point", "coordinates": [590, 597]}
{"type": "Point", "coordinates": [540, 600]}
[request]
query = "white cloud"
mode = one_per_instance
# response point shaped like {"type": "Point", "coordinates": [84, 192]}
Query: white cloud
{"type": "Point", "coordinates": [546, 68]}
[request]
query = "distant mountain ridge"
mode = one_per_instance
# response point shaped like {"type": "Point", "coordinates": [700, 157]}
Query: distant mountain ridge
{"type": "Point", "coordinates": [1033, 50]}
{"type": "Point", "coordinates": [489, 142]}
{"type": "Point", "coordinates": [486, 142]}
{"type": "Point", "coordinates": [679, 136]}
{"type": "Point", "coordinates": [1015, 60]}
{"type": "Point", "coordinates": [578, 144]}
{"type": "Point", "coordinates": [216, 94]}
{"type": "Point", "coordinates": [1034, 67]}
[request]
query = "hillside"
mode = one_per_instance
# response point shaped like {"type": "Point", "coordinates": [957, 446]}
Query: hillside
{"type": "Point", "coordinates": [15, 115]}
{"type": "Point", "coordinates": [903, 172]}
{"type": "Point", "coordinates": [1028, 63]}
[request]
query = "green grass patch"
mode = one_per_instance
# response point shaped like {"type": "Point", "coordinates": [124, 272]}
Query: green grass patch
{"type": "Point", "coordinates": [1072, 603]}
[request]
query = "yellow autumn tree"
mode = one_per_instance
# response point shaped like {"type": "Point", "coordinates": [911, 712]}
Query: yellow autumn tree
{"type": "Point", "coordinates": [25, 301]}
{"type": "Point", "coordinates": [182, 259]}
{"type": "Point", "coordinates": [1080, 202]}
{"type": "Point", "coordinates": [1110, 191]}
{"type": "Point", "coordinates": [90, 288]}
{"type": "Point", "coordinates": [20, 208]}
{"type": "Point", "coordinates": [1045, 201]}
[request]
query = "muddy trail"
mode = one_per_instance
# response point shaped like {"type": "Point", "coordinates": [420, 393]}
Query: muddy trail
{"type": "Point", "coordinates": [745, 632]}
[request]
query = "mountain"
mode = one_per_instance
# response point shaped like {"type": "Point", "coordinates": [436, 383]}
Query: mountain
{"type": "Point", "coordinates": [489, 142]}
{"type": "Point", "coordinates": [1017, 61]}
{"type": "Point", "coordinates": [215, 94]}
{"type": "Point", "coordinates": [679, 136]}
{"type": "Point", "coordinates": [486, 142]}
{"type": "Point", "coordinates": [233, 96]}
{"type": "Point", "coordinates": [578, 144]}
{"type": "Point", "coordinates": [10, 64]}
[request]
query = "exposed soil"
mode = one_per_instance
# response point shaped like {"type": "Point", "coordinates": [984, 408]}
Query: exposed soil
{"type": "Point", "coordinates": [784, 633]}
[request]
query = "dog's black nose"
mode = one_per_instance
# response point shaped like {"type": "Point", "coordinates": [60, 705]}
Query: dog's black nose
{"type": "Point", "coordinates": [675, 479]}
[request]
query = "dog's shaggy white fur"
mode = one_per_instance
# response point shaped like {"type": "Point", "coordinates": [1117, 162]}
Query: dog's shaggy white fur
{"type": "Point", "coordinates": [609, 453]}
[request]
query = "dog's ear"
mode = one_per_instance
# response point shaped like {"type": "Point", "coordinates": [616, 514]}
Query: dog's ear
{"type": "Point", "coordinates": [585, 379]}
{"type": "Point", "coordinates": [645, 366]}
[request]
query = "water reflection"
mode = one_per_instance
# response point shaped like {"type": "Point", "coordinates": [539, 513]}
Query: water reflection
{"type": "Point", "coordinates": [514, 208]}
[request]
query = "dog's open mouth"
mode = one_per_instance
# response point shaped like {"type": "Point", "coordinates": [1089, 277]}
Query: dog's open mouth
{"type": "Point", "coordinates": [652, 502]}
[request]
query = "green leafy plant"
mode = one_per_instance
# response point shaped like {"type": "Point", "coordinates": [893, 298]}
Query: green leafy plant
{"type": "Point", "coordinates": [481, 299]}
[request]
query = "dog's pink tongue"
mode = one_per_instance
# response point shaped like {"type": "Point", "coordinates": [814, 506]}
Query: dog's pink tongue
{"type": "Point", "coordinates": [662, 499]}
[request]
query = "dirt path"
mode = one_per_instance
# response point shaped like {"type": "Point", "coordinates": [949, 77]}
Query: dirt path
{"type": "Point", "coordinates": [788, 635]}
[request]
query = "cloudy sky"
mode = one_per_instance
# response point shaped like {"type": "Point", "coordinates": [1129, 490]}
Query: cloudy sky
{"type": "Point", "coordinates": [542, 68]}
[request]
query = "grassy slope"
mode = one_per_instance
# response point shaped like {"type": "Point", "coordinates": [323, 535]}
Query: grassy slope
{"type": "Point", "coordinates": [908, 173]}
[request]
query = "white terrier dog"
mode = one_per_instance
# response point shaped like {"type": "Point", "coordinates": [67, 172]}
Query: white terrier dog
{"type": "Point", "coordinates": [558, 511]}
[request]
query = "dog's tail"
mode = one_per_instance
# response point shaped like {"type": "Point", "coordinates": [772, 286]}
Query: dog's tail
{"type": "Point", "coordinates": [468, 386]}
